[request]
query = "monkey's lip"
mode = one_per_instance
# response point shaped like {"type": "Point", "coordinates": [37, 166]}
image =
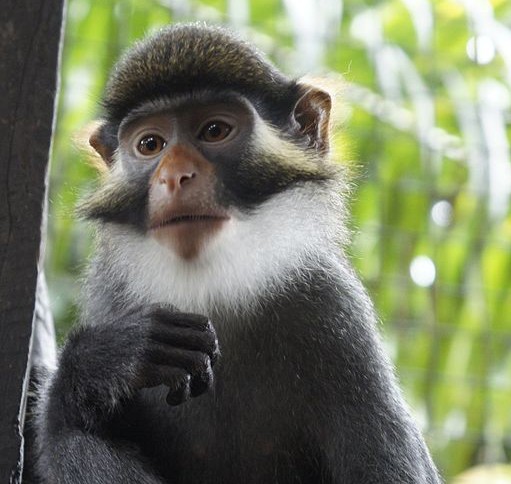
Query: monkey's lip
{"type": "Point", "coordinates": [188, 219]}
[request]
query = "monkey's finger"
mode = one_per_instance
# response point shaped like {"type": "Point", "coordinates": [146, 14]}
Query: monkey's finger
{"type": "Point", "coordinates": [176, 379]}
{"type": "Point", "coordinates": [154, 375]}
{"type": "Point", "coordinates": [179, 395]}
{"type": "Point", "coordinates": [194, 362]}
{"type": "Point", "coordinates": [187, 338]}
{"type": "Point", "coordinates": [201, 382]}
{"type": "Point", "coordinates": [216, 354]}
{"type": "Point", "coordinates": [182, 386]}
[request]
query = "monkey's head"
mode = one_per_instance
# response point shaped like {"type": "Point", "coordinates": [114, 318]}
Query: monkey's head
{"type": "Point", "coordinates": [202, 135]}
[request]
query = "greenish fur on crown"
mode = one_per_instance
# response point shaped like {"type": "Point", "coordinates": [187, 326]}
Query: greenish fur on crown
{"type": "Point", "coordinates": [183, 57]}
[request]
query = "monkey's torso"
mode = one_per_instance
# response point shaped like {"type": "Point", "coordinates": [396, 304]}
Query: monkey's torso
{"type": "Point", "coordinates": [298, 386]}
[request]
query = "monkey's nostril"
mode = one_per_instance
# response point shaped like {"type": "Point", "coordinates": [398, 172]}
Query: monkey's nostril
{"type": "Point", "coordinates": [186, 178]}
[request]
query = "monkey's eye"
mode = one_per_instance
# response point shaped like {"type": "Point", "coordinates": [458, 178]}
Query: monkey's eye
{"type": "Point", "coordinates": [215, 131]}
{"type": "Point", "coordinates": [151, 145]}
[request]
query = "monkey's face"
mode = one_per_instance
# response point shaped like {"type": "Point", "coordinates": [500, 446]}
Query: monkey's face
{"type": "Point", "coordinates": [183, 147]}
{"type": "Point", "coordinates": [185, 169]}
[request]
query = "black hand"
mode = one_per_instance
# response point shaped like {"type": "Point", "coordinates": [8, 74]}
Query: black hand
{"type": "Point", "coordinates": [180, 351]}
{"type": "Point", "coordinates": [103, 365]}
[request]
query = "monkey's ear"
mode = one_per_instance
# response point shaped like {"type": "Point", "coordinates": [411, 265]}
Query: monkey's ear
{"type": "Point", "coordinates": [312, 116]}
{"type": "Point", "coordinates": [101, 140]}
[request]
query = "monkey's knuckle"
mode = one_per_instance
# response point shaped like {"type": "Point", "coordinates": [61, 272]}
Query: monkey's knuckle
{"type": "Point", "coordinates": [179, 377]}
{"type": "Point", "coordinates": [206, 322]}
{"type": "Point", "coordinates": [201, 363]}
{"type": "Point", "coordinates": [179, 388]}
{"type": "Point", "coordinates": [208, 338]}
{"type": "Point", "coordinates": [209, 328]}
{"type": "Point", "coordinates": [213, 348]}
{"type": "Point", "coordinates": [217, 353]}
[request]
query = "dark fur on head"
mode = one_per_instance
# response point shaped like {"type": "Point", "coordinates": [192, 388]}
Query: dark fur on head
{"type": "Point", "coordinates": [182, 58]}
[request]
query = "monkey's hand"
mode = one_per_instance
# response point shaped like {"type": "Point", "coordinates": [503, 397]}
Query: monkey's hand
{"type": "Point", "coordinates": [103, 366]}
{"type": "Point", "coordinates": [180, 350]}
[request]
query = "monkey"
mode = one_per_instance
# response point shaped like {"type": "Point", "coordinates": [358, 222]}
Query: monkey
{"type": "Point", "coordinates": [223, 335]}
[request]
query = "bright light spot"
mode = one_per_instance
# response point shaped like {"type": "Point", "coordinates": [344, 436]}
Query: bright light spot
{"type": "Point", "coordinates": [79, 82]}
{"type": "Point", "coordinates": [455, 424]}
{"type": "Point", "coordinates": [481, 49]}
{"type": "Point", "coordinates": [78, 10]}
{"type": "Point", "coordinates": [441, 213]}
{"type": "Point", "coordinates": [423, 271]}
{"type": "Point", "coordinates": [366, 27]}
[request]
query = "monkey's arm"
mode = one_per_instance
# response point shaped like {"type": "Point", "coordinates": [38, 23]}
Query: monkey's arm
{"type": "Point", "coordinates": [101, 369]}
{"type": "Point", "coordinates": [364, 431]}
{"type": "Point", "coordinates": [75, 457]}
{"type": "Point", "coordinates": [380, 443]}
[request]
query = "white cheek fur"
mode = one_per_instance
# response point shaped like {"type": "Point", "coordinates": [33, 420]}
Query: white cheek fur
{"type": "Point", "coordinates": [250, 255]}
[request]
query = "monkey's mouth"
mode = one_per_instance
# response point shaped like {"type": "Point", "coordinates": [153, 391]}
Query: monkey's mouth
{"type": "Point", "coordinates": [187, 234]}
{"type": "Point", "coordinates": [188, 219]}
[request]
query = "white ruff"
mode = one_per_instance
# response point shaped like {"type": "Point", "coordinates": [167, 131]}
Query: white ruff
{"type": "Point", "coordinates": [250, 255]}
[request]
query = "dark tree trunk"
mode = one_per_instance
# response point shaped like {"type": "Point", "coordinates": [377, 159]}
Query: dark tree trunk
{"type": "Point", "coordinates": [30, 32]}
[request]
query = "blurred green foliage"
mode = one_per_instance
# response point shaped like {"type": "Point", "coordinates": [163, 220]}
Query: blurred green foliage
{"type": "Point", "coordinates": [424, 131]}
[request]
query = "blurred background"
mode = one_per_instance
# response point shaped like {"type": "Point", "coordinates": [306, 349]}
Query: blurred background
{"type": "Point", "coordinates": [423, 126]}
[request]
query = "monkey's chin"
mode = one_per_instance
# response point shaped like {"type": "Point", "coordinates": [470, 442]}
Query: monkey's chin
{"type": "Point", "coordinates": [187, 238]}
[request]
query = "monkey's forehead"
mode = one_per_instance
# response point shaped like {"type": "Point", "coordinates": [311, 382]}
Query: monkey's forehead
{"type": "Point", "coordinates": [182, 58]}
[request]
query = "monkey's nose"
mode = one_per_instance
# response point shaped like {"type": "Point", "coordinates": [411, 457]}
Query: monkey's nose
{"type": "Point", "coordinates": [175, 172]}
{"type": "Point", "coordinates": [175, 180]}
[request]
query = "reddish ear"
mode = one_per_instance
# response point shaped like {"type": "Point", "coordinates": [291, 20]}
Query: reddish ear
{"type": "Point", "coordinates": [99, 140]}
{"type": "Point", "coordinates": [312, 113]}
